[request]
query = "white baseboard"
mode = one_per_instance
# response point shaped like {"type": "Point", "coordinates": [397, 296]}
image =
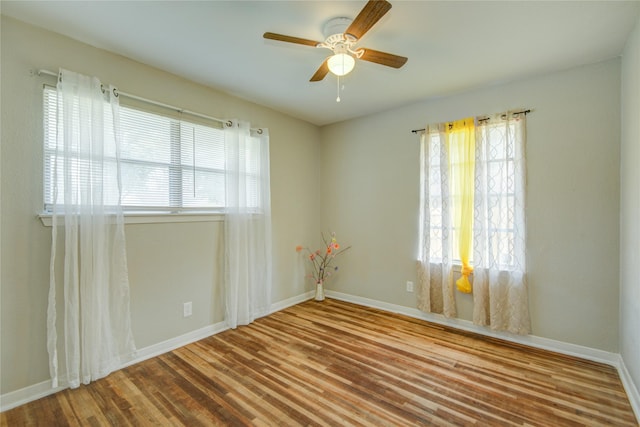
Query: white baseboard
{"type": "Point", "coordinates": [29, 394]}
{"type": "Point", "coordinates": [177, 342]}
{"type": "Point", "coordinates": [37, 391]}
{"type": "Point", "coordinates": [466, 325]}
{"type": "Point", "coordinates": [595, 355]}
{"type": "Point", "coordinates": [630, 388]}
{"type": "Point", "coordinates": [281, 305]}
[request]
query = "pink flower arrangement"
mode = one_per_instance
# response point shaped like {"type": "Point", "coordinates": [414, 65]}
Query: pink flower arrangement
{"type": "Point", "coordinates": [321, 259]}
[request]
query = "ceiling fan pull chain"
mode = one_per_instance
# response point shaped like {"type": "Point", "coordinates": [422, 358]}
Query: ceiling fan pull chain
{"type": "Point", "coordinates": [338, 98]}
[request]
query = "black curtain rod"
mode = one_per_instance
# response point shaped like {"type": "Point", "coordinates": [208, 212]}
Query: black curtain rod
{"type": "Point", "coordinates": [525, 112]}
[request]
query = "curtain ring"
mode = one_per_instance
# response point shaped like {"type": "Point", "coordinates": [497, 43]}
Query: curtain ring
{"type": "Point", "coordinates": [259, 131]}
{"type": "Point", "coordinates": [229, 123]}
{"type": "Point", "coordinates": [115, 92]}
{"type": "Point", "coordinates": [102, 88]}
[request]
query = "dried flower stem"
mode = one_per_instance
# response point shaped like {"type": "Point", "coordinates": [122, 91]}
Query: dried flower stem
{"type": "Point", "coordinates": [321, 261]}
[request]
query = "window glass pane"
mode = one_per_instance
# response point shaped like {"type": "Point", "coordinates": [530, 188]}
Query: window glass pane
{"type": "Point", "coordinates": [145, 136]}
{"type": "Point", "coordinates": [501, 201]}
{"type": "Point", "coordinates": [145, 185]}
{"type": "Point", "coordinates": [207, 192]}
{"type": "Point", "coordinates": [253, 191]}
{"type": "Point", "coordinates": [501, 246]}
{"type": "Point", "coordinates": [49, 116]}
{"type": "Point", "coordinates": [435, 250]}
{"type": "Point", "coordinates": [204, 145]}
{"type": "Point", "coordinates": [79, 163]}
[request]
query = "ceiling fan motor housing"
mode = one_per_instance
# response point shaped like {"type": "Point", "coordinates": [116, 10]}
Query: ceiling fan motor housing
{"type": "Point", "coordinates": [337, 40]}
{"type": "Point", "coordinates": [336, 26]}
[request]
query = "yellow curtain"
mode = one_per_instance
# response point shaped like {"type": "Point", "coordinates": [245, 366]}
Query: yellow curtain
{"type": "Point", "coordinates": [461, 140]}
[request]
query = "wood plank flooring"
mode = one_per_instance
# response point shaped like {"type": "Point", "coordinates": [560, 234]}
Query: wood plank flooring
{"type": "Point", "coordinates": [339, 364]}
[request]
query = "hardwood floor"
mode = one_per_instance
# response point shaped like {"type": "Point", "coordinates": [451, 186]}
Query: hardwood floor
{"type": "Point", "coordinates": [335, 363]}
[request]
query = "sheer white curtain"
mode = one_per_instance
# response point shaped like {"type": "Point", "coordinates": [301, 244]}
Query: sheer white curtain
{"type": "Point", "coordinates": [499, 284]}
{"type": "Point", "coordinates": [86, 194]}
{"type": "Point", "coordinates": [435, 291]}
{"type": "Point", "coordinates": [247, 224]}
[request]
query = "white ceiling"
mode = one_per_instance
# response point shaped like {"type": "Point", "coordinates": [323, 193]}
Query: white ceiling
{"type": "Point", "coordinates": [452, 46]}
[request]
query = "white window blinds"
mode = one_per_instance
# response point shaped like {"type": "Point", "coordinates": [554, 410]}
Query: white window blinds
{"type": "Point", "coordinates": [169, 163]}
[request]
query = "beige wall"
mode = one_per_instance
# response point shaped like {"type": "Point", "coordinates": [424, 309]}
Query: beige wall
{"type": "Point", "coordinates": [630, 208]}
{"type": "Point", "coordinates": [369, 173]}
{"type": "Point", "coordinates": [169, 264]}
{"type": "Point", "coordinates": [370, 197]}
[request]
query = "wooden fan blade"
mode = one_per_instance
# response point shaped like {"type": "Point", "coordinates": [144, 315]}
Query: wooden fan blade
{"type": "Point", "coordinates": [368, 16]}
{"type": "Point", "coordinates": [322, 72]}
{"type": "Point", "coordinates": [290, 39]}
{"type": "Point", "coordinates": [388, 59]}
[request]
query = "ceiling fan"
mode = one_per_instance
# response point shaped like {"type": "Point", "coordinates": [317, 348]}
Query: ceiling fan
{"type": "Point", "coordinates": [341, 36]}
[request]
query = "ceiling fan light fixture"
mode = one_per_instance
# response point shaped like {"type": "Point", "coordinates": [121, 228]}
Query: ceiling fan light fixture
{"type": "Point", "coordinates": [341, 64]}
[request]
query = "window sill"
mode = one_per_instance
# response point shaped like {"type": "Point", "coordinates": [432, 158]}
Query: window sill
{"type": "Point", "coordinates": [456, 267]}
{"type": "Point", "coordinates": [155, 218]}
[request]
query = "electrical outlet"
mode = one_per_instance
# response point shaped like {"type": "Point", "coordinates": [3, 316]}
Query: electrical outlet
{"type": "Point", "coordinates": [187, 309]}
{"type": "Point", "coordinates": [409, 286]}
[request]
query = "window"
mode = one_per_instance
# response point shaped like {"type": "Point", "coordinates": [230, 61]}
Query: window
{"type": "Point", "coordinates": [436, 225]}
{"type": "Point", "coordinates": [497, 142]}
{"type": "Point", "coordinates": [168, 163]}
{"type": "Point", "coordinates": [472, 198]}
{"type": "Point", "coordinates": [496, 168]}
{"type": "Point", "coordinates": [445, 191]}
